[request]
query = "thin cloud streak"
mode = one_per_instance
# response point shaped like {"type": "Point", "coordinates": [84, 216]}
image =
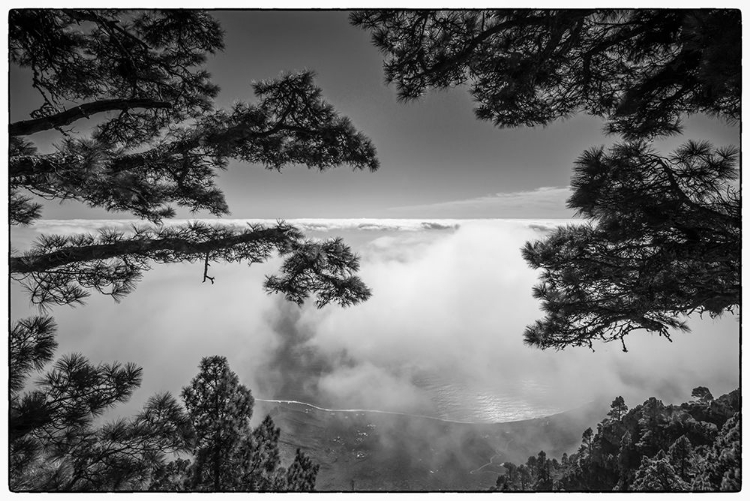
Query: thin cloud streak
{"type": "Point", "coordinates": [545, 202]}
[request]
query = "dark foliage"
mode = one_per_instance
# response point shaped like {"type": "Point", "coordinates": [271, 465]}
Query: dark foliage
{"type": "Point", "coordinates": [640, 69]}
{"type": "Point", "coordinates": [665, 242]}
{"type": "Point", "coordinates": [157, 142]}
{"type": "Point", "coordinates": [228, 455]}
{"type": "Point", "coordinates": [55, 442]}
{"type": "Point", "coordinates": [653, 447]}
{"type": "Point", "coordinates": [665, 235]}
{"type": "Point", "coordinates": [63, 269]}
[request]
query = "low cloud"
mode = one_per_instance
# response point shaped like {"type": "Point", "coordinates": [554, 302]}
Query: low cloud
{"type": "Point", "coordinates": [544, 202]}
{"type": "Point", "coordinates": [446, 319]}
{"type": "Point", "coordinates": [442, 334]}
{"type": "Point", "coordinates": [22, 237]}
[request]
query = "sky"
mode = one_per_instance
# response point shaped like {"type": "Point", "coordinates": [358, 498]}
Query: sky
{"type": "Point", "coordinates": [443, 331]}
{"type": "Point", "coordinates": [436, 159]}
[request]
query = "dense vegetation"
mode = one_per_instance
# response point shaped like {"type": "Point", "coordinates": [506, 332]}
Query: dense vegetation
{"type": "Point", "coordinates": [58, 443]}
{"type": "Point", "coordinates": [695, 446]}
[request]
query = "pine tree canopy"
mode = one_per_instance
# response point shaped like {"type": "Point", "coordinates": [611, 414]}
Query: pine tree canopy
{"type": "Point", "coordinates": [640, 69]}
{"type": "Point", "coordinates": [63, 269]}
{"type": "Point", "coordinates": [151, 140]}
{"type": "Point", "coordinates": [58, 443]}
{"type": "Point", "coordinates": [664, 233]}
{"type": "Point", "coordinates": [628, 454]}
{"type": "Point", "coordinates": [666, 242]}
{"type": "Point", "coordinates": [229, 456]}
{"type": "Point", "coordinates": [54, 442]}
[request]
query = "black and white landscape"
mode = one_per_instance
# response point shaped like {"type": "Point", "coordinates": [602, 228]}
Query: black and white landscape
{"type": "Point", "coordinates": [489, 250]}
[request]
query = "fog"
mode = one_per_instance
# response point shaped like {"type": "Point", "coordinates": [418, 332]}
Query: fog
{"type": "Point", "coordinates": [441, 336]}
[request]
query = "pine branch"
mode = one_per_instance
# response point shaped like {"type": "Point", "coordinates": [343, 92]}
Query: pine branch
{"type": "Point", "coordinates": [67, 117]}
{"type": "Point", "coordinates": [167, 247]}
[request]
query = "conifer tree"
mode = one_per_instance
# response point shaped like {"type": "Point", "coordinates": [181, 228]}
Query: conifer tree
{"type": "Point", "coordinates": [666, 243]}
{"type": "Point", "coordinates": [656, 475]}
{"type": "Point", "coordinates": [171, 477]}
{"type": "Point", "coordinates": [664, 233]}
{"type": "Point", "coordinates": [617, 408]}
{"type": "Point", "coordinates": [259, 454]}
{"type": "Point", "coordinates": [721, 468]}
{"type": "Point", "coordinates": [702, 394]}
{"type": "Point", "coordinates": [628, 454]}
{"type": "Point", "coordinates": [587, 443]}
{"type": "Point", "coordinates": [228, 455]}
{"type": "Point", "coordinates": [681, 457]}
{"type": "Point", "coordinates": [301, 474]}
{"type": "Point", "coordinates": [156, 141]}
{"type": "Point", "coordinates": [220, 409]}
{"type": "Point", "coordinates": [502, 484]}
{"type": "Point", "coordinates": [544, 472]}
{"type": "Point", "coordinates": [524, 476]}
{"type": "Point", "coordinates": [651, 425]}
{"type": "Point", "coordinates": [641, 70]}
{"type": "Point", "coordinates": [627, 462]}
{"type": "Point", "coordinates": [533, 467]}
{"type": "Point", "coordinates": [55, 443]}
{"type": "Point", "coordinates": [510, 480]}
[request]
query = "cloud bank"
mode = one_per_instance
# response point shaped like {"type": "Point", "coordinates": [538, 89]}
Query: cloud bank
{"type": "Point", "coordinates": [442, 334]}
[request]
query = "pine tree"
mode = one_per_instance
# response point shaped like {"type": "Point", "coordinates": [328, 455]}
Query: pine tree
{"type": "Point", "coordinates": [651, 426]}
{"type": "Point", "coordinates": [301, 474]}
{"type": "Point", "coordinates": [228, 455]}
{"type": "Point", "coordinates": [721, 468]}
{"type": "Point", "coordinates": [157, 141]}
{"type": "Point", "coordinates": [666, 243]}
{"type": "Point", "coordinates": [54, 441]}
{"type": "Point", "coordinates": [639, 69]}
{"type": "Point", "coordinates": [544, 473]}
{"type": "Point", "coordinates": [532, 466]}
{"type": "Point", "coordinates": [510, 480]}
{"type": "Point", "coordinates": [657, 474]}
{"type": "Point", "coordinates": [259, 454]}
{"type": "Point", "coordinates": [664, 237]}
{"type": "Point", "coordinates": [628, 453]}
{"type": "Point", "coordinates": [702, 394]}
{"type": "Point", "coordinates": [524, 477]}
{"type": "Point", "coordinates": [627, 462]}
{"type": "Point", "coordinates": [587, 443]}
{"type": "Point", "coordinates": [502, 484]}
{"type": "Point", "coordinates": [681, 457]}
{"type": "Point", "coordinates": [618, 408]}
{"type": "Point", "coordinates": [220, 409]}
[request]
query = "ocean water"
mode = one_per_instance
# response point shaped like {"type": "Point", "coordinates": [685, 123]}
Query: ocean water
{"type": "Point", "coordinates": [475, 402]}
{"type": "Point", "coordinates": [443, 395]}
{"type": "Point", "coordinates": [456, 402]}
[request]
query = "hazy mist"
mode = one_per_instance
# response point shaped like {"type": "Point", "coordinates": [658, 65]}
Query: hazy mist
{"type": "Point", "coordinates": [442, 334]}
